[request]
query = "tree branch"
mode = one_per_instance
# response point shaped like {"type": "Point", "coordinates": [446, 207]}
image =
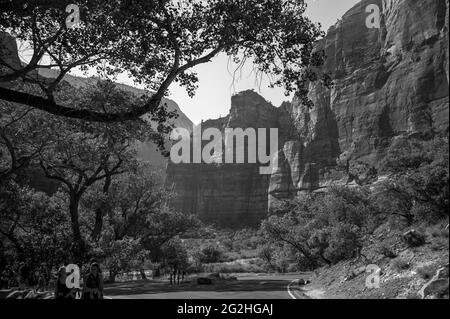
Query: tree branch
{"type": "Point", "coordinates": [52, 107]}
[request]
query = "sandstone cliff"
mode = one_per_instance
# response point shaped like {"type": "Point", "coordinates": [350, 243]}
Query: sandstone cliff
{"type": "Point", "coordinates": [232, 195]}
{"type": "Point", "coordinates": [388, 83]}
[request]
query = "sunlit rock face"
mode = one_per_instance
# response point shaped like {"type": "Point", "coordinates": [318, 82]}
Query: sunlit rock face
{"type": "Point", "coordinates": [230, 195]}
{"type": "Point", "coordinates": [388, 82]}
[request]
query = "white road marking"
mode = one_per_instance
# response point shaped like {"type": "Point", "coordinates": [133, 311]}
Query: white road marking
{"type": "Point", "coordinates": [289, 288]}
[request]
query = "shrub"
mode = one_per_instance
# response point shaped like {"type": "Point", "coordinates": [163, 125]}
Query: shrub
{"type": "Point", "coordinates": [438, 231]}
{"type": "Point", "coordinates": [400, 264]}
{"type": "Point", "coordinates": [231, 256]}
{"type": "Point", "coordinates": [439, 243]}
{"type": "Point", "coordinates": [362, 173]}
{"type": "Point", "coordinates": [292, 267]}
{"type": "Point", "coordinates": [233, 268]}
{"type": "Point", "coordinates": [343, 243]}
{"type": "Point", "coordinates": [413, 296]}
{"type": "Point", "coordinates": [209, 254]}
{"type": "Point", "coordinates": [387, 251]}
{"type": "Point", "coordinates": [323, 228]}
{"type": "Point", "coordinates": [421, 187]}
{"type": "Point", "coordinates": [426, 272]}
{"type": "Point", "coordinates": [414, 238]}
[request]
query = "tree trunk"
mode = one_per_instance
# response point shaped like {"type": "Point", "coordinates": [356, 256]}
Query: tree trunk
{"type": "Point", "coordinates": [303, 251]}
{"type": "Point", "coordinates": [2, 256]}
{"type": "Point", "coordinates": [308, 256]}
{"type": "Point", "coordinates": [100, 212]}
{"type": "Point", "coordinates": [143, 276]}
{"type": "Point", "coordinates": [78, 246]}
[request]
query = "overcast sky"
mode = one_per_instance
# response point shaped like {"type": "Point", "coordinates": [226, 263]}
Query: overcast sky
{"type": "Point", "coordinates": [216, 86]}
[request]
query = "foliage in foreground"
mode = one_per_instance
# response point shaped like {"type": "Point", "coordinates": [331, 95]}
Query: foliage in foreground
{"type": "Point", "coordinates": [326, 228]}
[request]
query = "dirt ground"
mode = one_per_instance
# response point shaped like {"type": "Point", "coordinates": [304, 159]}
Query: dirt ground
{"type": "Point", "coordinates": [348, 279]}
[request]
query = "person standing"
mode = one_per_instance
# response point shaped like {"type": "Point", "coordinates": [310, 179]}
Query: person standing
{"type": "Point", "coordinates": [93, 283]}
{"type": "Point", "coordinates": [61, 289]}
{"type": "Point", "coordinates": [7, 277]}
{"type": "Point", "coordinates": [42, 280]}
{"type": "Point", "coordinates": [24, 275]}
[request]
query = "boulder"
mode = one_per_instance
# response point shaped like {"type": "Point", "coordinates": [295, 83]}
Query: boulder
{"type": "Point", "coordinates": [303, 282]}
{"type": "Point", "coordinates": [438, 286]}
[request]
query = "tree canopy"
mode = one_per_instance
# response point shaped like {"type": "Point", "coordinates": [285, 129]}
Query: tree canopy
{"type": "Point", "coordinates": [157, 43]}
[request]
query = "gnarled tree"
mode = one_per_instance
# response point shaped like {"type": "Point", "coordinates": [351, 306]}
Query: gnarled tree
{"type": "Point", "coordinates": [157, 43]}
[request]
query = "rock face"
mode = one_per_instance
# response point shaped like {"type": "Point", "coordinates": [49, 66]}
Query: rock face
{"type": "Point", "coordinates": [231, 195]}
{"type": "Point", "coordinates": [388, 83]}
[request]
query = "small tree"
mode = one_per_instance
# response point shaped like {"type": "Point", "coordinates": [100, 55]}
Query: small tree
{"type": "Point", "coordinates": [83, 154]}
{"type": "Point", "coordinates": [419, 188]}
{"type": "Point", "coordinates": [323, 228]}
{"type": "Point", "coordinates": [136, 213]}
{"type": "Point", "coordinates": [208, 254]}
{"type": "Point", "coordinates": [175, 256]}
{"type": "Point", "coordinates": [34, 226]}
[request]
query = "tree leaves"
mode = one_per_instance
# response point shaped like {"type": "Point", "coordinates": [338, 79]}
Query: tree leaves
{"type": "Point", "coordinates": [159, 42]}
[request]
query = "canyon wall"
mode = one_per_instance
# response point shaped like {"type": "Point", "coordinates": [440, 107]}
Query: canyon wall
{"type": "Point", "coordinates": [389, 83]}
{"type": "Point", "coordinates": [231, 195]}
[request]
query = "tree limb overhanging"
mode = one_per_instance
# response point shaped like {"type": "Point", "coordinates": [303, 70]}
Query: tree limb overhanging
{"type": "Point", "coordinates": [157, 43]}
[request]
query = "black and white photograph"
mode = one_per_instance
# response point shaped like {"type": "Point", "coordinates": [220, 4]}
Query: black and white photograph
{"type": "Point", "coordinates": [224, 155]}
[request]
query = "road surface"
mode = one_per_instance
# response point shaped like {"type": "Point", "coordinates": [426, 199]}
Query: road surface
{"type": "Point", "coordinates": [246, 287]}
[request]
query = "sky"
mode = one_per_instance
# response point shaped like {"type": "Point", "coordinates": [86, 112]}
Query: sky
{"type": "Point", "coordinates": [216, 86]}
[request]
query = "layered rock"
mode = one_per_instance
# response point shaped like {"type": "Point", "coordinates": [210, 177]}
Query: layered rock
{"type": "Point", "coordinates": [231, 195]}
{"type": "Point", "coordinates": [388, 83]}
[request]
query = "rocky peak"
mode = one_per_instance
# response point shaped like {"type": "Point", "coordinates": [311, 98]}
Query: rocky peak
{"type": "Point", "coordinates": [389, 83]}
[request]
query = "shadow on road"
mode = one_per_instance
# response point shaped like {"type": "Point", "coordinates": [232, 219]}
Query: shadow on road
{"type": "Point", "coordinates": [152, 287]}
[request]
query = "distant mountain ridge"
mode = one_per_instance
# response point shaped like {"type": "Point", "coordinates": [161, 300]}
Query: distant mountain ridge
{"type": "Point", "coordinates": [147, 151]}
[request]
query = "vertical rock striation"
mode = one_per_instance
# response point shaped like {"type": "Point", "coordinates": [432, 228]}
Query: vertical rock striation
{"type": "Point", "coordinates": [388, 82]}
{"type": "Point", "coordinates": [231, 195]}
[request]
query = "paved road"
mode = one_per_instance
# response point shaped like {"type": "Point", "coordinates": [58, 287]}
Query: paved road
{"type": "Point", "coordinates": [246, 287]}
